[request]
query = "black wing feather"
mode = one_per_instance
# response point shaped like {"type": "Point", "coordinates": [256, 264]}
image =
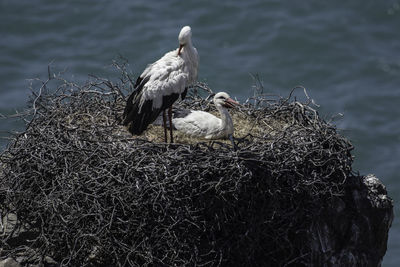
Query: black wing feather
{"type": "Point", "coordinates": [181, 113]}
{"type": "Point", "coordinates": [176, 113]}
{"type": "Point", "coordinates": [183, 94]}
{"type": "Point", "coordinates": [138, 122]}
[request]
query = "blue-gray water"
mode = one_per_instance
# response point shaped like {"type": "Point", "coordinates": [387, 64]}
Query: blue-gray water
{"type": "Point", "coordinates": [346, 53]}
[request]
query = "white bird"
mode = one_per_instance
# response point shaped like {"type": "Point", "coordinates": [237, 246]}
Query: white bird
{"type": "Point", "coordinates": [161, 84]}
{"type": "Point", "coordinates": [205, 125]}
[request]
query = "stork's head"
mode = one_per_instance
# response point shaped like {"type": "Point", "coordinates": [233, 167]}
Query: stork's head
{"type": "Point", "coordinates": [184, 38]}
{"type": "Point", "coordinates": [223, 99]}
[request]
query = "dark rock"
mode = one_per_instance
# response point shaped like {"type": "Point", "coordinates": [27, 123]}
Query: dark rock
{"type": "Point", "coordinates": [354, 230]}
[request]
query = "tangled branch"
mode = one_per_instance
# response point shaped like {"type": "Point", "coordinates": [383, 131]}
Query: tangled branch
{"type": "Point", "coordinates": [85, 192]}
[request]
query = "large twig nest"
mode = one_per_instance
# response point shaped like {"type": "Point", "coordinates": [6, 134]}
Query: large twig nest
{"type": "Point", "coordinates": [86, 192]}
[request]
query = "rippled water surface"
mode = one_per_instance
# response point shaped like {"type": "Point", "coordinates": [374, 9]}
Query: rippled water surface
{"type": "Point", "coordinates": [347, 55]}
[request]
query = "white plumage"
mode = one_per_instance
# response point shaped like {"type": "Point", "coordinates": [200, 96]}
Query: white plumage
{"type": "Point", "coordinates": [169, 75]}
{"type": "Point", "coordinates": [161, 84]}
{"type": "Point", "coordinates": [206, 125]}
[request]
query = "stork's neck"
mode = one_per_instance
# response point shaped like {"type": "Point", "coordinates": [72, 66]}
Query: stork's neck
{"type": "Point", "coordinates": [190, 52]}
{"type": "Point", "coordinates": [189, 45]}
{"type": "Point", "coordinates": [191, 58]}
{"type": "Point", "coordinates": [226, 120]}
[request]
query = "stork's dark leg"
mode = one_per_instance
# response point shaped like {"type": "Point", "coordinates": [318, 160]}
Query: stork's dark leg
{"type": "Point", "coordinates": [170, 124]}
{"type": "Point", "coordinates": [165, 126]}
{"type": "Point", "coordinates": [233, 142]}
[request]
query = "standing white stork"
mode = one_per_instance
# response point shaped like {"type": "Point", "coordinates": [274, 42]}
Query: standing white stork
{"type": "Point", "coordinates": [205, 125]}
{"type": "Point", "coordinates": [161, 84]}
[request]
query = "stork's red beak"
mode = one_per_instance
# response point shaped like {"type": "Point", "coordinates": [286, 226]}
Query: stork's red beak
{"type": "Point", "coordinates": [230, 103]}
{"type": "Point", "coordinates": [180, 48]}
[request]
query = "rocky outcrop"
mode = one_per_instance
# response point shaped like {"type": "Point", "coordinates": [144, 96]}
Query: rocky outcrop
{"type": "Point", "coordinates": [354, 231]}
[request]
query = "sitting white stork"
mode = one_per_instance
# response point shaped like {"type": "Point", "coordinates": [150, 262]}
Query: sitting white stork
{"type": "Point", "coordinates": [205, 125]}
{"type": "Point", "coordinates": [161, 84]}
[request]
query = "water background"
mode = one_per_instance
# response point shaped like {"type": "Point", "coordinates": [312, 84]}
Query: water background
{"type": "Point", "coordinates": [346, 53]}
